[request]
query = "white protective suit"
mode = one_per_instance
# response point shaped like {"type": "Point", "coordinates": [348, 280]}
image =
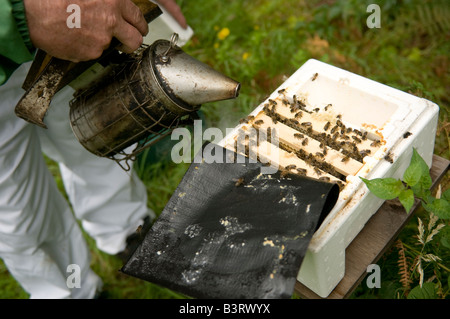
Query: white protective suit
{"type": "Point", "coordinates": [39, 235]}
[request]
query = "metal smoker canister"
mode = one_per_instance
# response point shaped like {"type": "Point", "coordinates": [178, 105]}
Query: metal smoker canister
{"type": "Point", "coordinates": [148, 96]}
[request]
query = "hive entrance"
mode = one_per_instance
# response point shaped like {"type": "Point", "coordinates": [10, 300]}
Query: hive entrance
{"type": "Point", "coordinates": [315, 143]}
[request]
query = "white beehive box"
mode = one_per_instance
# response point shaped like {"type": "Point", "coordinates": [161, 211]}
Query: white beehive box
{"type": "Point", "coordinates": [398, 122]}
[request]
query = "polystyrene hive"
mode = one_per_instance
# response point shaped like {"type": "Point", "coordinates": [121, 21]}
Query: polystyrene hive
{"type": "Point", "coordinates": [375, 128]}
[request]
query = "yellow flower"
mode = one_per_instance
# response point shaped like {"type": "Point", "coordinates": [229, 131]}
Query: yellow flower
{"type": "Point", "coordinates": [245, 56]}
{"type": "Point", "coordinates": [223, 33]}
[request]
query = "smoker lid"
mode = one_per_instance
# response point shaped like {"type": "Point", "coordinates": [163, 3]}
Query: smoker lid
{"type": "Point", "coordinates": [217, 238]}
{"type": "Point", "coordinates": [187, 79]}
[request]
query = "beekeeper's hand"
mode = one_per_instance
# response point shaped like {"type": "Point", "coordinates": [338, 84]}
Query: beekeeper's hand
{"type": "Point", "coordinates": [172, 7]}
{"type": "Point", "coordinates": [100, 21]}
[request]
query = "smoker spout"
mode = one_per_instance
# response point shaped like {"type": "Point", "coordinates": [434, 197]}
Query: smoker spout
{"type": "Point", "coordinates": [189, 80]}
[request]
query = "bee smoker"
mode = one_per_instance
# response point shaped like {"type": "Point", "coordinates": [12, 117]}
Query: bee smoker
{"type": "Point", "coordinates": [144, 99]}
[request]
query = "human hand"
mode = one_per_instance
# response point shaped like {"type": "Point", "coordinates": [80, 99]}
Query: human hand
{"type": "Point", "coordinates": [101, 20]}
{"type": "Point", "coordinates": [172, 7]}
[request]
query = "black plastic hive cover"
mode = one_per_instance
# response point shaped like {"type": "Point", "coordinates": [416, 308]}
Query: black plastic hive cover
{"type": "Point", "coordinates": [230, 231]}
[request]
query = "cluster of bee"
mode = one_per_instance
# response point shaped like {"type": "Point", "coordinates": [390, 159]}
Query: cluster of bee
{"type": "Point", "coordinates": [316, 161]}
{"type": "Point", "coordinates": [335, 135]}
{"type": "Point", "coordinates": [338, 137]}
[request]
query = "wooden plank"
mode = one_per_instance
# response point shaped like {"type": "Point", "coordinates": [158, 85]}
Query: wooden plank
{"type": "Point", "coordinates": [287, 135]}
{"type": "Point", "coordinates": [285, 159]}
{"type": "Point", "coordinates": [320, 119]}
{"type": "Point", "coordinates": [373, 241]}
{"type": "Point", "coordinates": [266, 152]}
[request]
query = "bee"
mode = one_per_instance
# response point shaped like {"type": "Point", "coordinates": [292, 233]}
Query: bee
{"type": "Point", "coordinates": [364, 153]}
{"type": "Point", "coordinates": [259, 122]}
{"type": "Point", "coordinates": [328, 106]}
{"type": "Point", "coordinates": [302, 171]}
{"type": "Point", "coordinates": [375, 143]}
{"type": "Point", "coordinates": [339, 123]}
{"type": "Point", "coordinates": [305, 142]}
{"type": "Point", "coordinates": [289, 167]}
{"type": "Point", "coordinates": [318, 172]}
{"type": "Point", "coordinates": [243, 121]}
{"type": "Point", "coordinates": [295, 122]}
{"type": "Point", "coordinates": [354, 147]}
{"type": "Point", "coordinates": [325, 179]}
{"type": "Point", "coordinates": [327, 126]}
{"type": "Point", "coordinates": [299, 135]}
{"type": "Point", "coordinates": [315, 76]}
{"type": "Point", "coordinates": [274, 120]}
{"type": "Point", "coordinates": [339, 116]}
{"type": "Point", "coordinates": [239, 182]}
{"type": "Point", "coordinates": [348, 130]}
{"type": "Point", "coordinates": [247, 150]}
{"type": "Point", "coordinates": [356, 139]}
{"type": "Point", "coordinates": [281, 91]}
{"type": "Point", "coordinates": [318, 154]}
{"type": "Point", "coordinates": [407, 134]}
{"type": "Point", "coordinates": [309, 130]}
{"type": "Point", "coordinates": [345, 137]}
{"type": "Point", "coordinates": [345, 159]}
{"type": "Point", "coordinates": [139, 230]}
{"type": "Point", "coordinates": [285, 102]}
{"type": "Point", "coordinates": [284, 173]}
{"type": "Point", "coordinates": [389, 157]}
{"type": "Point", "coordinates": [335, 136]}
{"type": "Point", "coordinates": [334, 129]}
{"type": "Point", "coordinates": [364, 136]}
{"type": "Point", "coordinates": [325, 151]}
{"type": "Point", "coordinates": [316, 109]}
{"type": "Point", "coordinates": [306, 124]}
{"type": "Point", "coordinates": [301, 105]}
{"type": "Point", "coordinates": [298, 115]}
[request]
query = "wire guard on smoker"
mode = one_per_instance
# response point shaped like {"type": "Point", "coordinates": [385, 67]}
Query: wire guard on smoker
{"type": "Point", "coordinates": [100, 114]}
{"type": "Point", "coordinates": [144, 99]}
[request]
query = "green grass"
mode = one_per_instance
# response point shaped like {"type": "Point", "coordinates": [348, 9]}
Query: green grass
{"type": "Point", "coordinates": [270, 40]}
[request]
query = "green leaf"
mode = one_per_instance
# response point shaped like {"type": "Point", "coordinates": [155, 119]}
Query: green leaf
{"type": "Point", "coordinates": [417, 175]}
{"type": "Point", "coordinates": [428, 291]}
{"type": "Point", "coordinates": [406, 197]}
{"type": "Point", "coordinates": [424, 194]}
{"type": "Point", "coordinates": [414, 172]}
{"type": "Point", "coordinates": [444, 233]}
{"type": "Point", "coordinates": [440, 207]}
{"type": "Point", "coordinates": [384, 188]}
{"type": "Point", "coordinates": [446, 195]}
